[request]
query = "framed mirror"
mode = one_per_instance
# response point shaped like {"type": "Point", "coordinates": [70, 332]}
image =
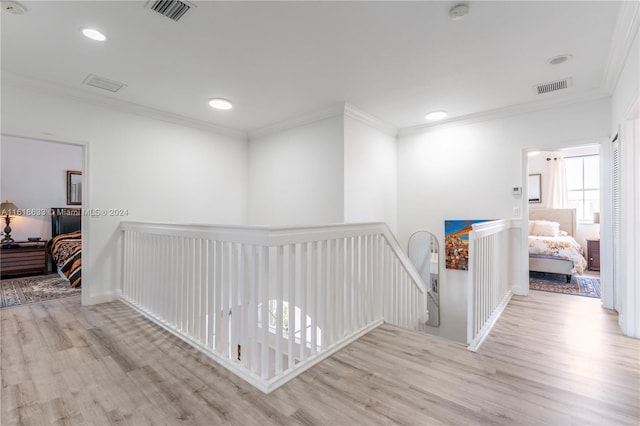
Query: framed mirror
{"type": "Point", "coordinates": [74, 188]}
{"type": "Point", "coordinates": [424, 253]}
{"type": "Point", "coordinates": [533, 188]}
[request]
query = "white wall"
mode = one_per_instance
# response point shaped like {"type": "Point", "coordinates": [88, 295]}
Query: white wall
{"type": "Point", "coordinates": [297, 175]}
{"type": "Point", "coordinates": [369, 174]}
{"type": "Point", "coordinates": [34, 178]}
{"type": "Point", "coordinates": [467, 171]}
{"type": "Point", "coordinates": [538, 164]}
{"type": "Point", "coordinates": [156, 170]}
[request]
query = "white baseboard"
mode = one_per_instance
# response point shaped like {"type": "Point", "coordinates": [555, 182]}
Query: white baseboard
{"type": "Point", "coordinates": [94, 299]}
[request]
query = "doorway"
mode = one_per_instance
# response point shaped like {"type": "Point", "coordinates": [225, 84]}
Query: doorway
{"type": "Point", "coordinates": [567, 177]}
{"type": "Point", "coordinates": [34, 179]}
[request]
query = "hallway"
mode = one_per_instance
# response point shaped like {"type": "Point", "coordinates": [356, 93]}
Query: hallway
{"type": "Point", "coordinates": [551, 359]}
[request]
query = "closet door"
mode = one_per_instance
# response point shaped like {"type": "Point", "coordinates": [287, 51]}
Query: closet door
{"type": "Point", "coordinates": [615, 219]}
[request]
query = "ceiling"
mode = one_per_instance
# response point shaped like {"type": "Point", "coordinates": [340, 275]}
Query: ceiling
{"type": "Point", "coordinates": [279, 60]}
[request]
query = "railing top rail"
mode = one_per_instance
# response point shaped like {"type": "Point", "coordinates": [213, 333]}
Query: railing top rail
{"type": "Point", "coordinates": [483, 229]}
{"type": "Point", "coordinates": [138, 224]}
{"type": "Point", "coordinates": [258, 235]}
{"type": "Point", "coordinates": [277, 235]}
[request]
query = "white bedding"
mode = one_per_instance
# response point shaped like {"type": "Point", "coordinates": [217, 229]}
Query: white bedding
{"type": "Point", "coordinates": [565, 247]}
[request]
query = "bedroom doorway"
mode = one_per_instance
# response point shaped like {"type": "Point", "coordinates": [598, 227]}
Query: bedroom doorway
{"type": "Point", "coordinates": [35, 179]}
{"type": "Point", "coordinates": [566, 177]}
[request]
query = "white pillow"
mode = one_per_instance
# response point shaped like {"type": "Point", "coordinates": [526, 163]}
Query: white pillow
{"type": "Point", "coordinates": [544, 228]}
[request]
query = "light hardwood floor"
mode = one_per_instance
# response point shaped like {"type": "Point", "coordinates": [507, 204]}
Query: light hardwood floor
{"type": "Point", "coordinates": [552, 359]}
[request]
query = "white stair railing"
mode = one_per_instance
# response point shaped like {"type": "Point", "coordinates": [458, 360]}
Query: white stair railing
{"type": "Point", "coordinates": [268, 303]}
{"type": "Point", "coordinates": [488, 286]}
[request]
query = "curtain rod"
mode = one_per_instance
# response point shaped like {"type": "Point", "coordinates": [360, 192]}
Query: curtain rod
{"type": "Point", "coordinates": [573, 156]}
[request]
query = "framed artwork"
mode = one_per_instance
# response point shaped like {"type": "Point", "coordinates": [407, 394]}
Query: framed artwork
{"type": "Point", "coordinates": [456, 243]}
{"type": "Point", "coordinates": [74, 188]}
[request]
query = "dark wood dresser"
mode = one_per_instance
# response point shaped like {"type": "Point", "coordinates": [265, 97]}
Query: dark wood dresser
{"type": "Point", "coordinates": [593, 255]}
{"type": "Point", "coordinates": [22, 257]}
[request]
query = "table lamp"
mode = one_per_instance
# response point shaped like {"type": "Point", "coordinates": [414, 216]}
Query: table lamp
{"type": "Point", "coordinates": [8, 210]}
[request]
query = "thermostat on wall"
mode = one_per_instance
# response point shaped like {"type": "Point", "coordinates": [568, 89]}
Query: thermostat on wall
{"type": "Point", "coordinates": [516, 190]}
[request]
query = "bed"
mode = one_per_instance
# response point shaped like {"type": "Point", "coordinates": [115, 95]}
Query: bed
{"type": "Point", "coordinates": [65, 246]}
{"type": "Point", "coordinates": [555, 254]}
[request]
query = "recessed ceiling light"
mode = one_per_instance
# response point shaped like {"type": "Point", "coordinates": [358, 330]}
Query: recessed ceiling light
{"type": "Point", "coordinates": [560, 59]}
{"type": "Point", "coordinates": [435, 115]}
{"type": "Point", "coordinates": [93, 34]}
{"type": "Point", "coordinates": [219, 103]}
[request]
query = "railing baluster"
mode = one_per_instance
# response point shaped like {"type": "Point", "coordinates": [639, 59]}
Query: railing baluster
{"type": "Point", "coordinates": [253, 308]}
{"type": "Point", "coordinates": [197, 266]}
{"type": "Point", "coordinates": [279, 305]}
{"type": "Point", "coordinates": [340, 287]}
{"type": "Point", "coordinates": [324, 294]}
{"type": "Point", "coordinates": [264, 292]}
{"type": "Point", "coordinates": [349, 296]}
{"type": "Point", "coordinates": [234, 315]}
{"type": "Point", "coordinates": [302, 288]}
{"type": "Point", "coordinates": [226, 298]}
{"type": "Point", "coordinates": [218, 298]}
{"type": "Point", "coordinates": [291, 279]}
{"type": "Point", "coordinates": [358, 264]}
{"type": "Point", "coordinates": [314, 290]}
{"type": "Point", "coordinates": [243, 304]}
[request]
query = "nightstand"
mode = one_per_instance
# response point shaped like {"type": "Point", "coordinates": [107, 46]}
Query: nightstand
{"type": "Point", "coordinates": [593, 255]}
{"type": "Point", "coordinates": [22, 257]}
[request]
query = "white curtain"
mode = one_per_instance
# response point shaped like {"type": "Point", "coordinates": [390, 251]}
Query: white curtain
{"type": "Point", "coordinates": [558, 184]}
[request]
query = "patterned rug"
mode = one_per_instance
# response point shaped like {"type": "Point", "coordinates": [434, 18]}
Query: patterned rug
{"type": "Point", "coordinates": [21, 291]}
{"type": "Point", "coordinates": [579, 285]}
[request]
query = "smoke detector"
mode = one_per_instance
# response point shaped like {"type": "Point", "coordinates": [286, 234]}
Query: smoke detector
{"type": "Point", "coordinates": [13, 7]}
{"type": "Point", "coordinates": [458, 12]}
{"type": "Point", "coordinates": [560, 59]}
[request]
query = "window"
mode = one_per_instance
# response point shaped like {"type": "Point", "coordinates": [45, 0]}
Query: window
{"type": "Point", "coordinates": [583, 185]}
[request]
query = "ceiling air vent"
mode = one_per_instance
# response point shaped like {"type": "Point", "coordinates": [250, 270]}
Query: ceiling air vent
{"type": "Point", "coordinates": [553, 86]}
{"type": "Point", "coordinates": [173, 9]}
{"type": "Point", "coordinates": [103, 83]}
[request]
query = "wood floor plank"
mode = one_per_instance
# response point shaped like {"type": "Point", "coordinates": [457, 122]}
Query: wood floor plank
{"type": "Point", "coordinates": [551, 359]}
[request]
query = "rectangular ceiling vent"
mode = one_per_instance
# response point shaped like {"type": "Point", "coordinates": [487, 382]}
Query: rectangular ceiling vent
{"type": "Point", "coordinates": [103, 83]}
{"type": "Point", "coordinates": [172, 9]}
{"type": "Point", "coordinates": [553, 86]}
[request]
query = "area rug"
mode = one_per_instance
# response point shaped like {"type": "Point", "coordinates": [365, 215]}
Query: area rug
{"type": "Point", "coordinates": [579, 285]}
{"type": "Point", "coordinates": [21, 291]}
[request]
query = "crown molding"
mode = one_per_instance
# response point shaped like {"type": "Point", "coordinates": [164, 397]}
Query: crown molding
{"type": "Point", "coordinates": [344, 109]}
{"type": "Point", "coordinates": [508, 111]}
{"type": "Point", "coordinates": [22, 82]}
{"type": "Point", "coordinates": [624, 33]}
{"type": "Point", "coordinates": [298, 121]}
{"type": "Point", "coordinates": [355, 113]}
